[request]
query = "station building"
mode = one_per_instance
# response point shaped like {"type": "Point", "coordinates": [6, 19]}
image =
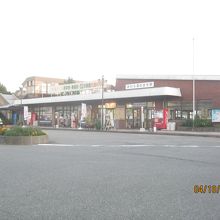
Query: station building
{"type": "Point", "coordinates": [136, 101]}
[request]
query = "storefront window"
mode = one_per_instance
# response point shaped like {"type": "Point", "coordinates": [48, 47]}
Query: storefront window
{"type": "Point", "coordinates": [109, 118]}
{"type": "Point", "coordinates": [178, 114]}
{"type": "Point", "coordinates": [45, 116]}
{"type": "Point", "coordinates": [59, 109]}
{"type": "Point", "coordinates": [108, 114]}
{"type": "Point", "coordinates": [67, 116]}
{"type": "Point", "coordinates": [172, 114]}
{"type": "Point", "coordinates": [133, 114]}
{"type": "Point", "coordinates": [185, 114]}
{"type": "Point", "coordinates": [209, 114]}
{"type": "Point", "coordinates": [150, 104]}
{"type": "Point", "coordinates": [183, 110]}
{"type": "Point", "coordinates": [203, 107]}
{"type": "Point", "coordinates": [187, 106]}
{"type": "Point", "coordinates": [75, 116]}
{"type": "Point", "coordinates": [174, 105]}
{"type": "Point", "coordinates": [129, 118]}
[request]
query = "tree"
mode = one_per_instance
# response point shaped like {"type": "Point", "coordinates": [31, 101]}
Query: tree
{"type": "Point", "coordinates": [3, 89]}
{"type": "Point", "coordinates": [69, 80]}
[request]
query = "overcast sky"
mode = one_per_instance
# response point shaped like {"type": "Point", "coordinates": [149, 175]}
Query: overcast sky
{"type": "Point", "coordinates": [86, 39]}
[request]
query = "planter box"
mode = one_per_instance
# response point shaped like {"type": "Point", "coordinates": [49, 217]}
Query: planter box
{"type": "Point", "coordinates": [24, 140]}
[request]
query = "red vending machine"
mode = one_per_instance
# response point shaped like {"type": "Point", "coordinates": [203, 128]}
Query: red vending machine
{"type": "Point", "coordinates": [161, 119]}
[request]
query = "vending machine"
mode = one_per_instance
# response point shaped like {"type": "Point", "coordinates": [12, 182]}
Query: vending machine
{"type": "Point", "coordinates": [161, 119]}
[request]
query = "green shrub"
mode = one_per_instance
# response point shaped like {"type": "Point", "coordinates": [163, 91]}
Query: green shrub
{"type": "Point", "coordinates": [98, 125]}
{"type": "Point", "coordinates": [187, 123]}
{"type": "Point", "coordinates": [197, 123]}
{"type": "Point", "coordinates": [24, 131]}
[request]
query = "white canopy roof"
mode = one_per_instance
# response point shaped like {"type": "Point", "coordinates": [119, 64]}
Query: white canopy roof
{"type": "Point", "coordinates": [149, 92]}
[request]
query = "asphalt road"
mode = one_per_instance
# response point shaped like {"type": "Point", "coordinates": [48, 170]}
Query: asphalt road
{"type": "Point", "coordinates": [92, 175]}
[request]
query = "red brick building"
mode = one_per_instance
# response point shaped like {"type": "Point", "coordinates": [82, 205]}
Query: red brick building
{"type": "Point", "coordinates": [207, 95]}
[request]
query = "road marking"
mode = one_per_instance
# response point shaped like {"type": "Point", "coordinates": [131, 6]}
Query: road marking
{"type": "Point", "coordinates": [58, 145]}
{"type": "Point", "coordinates": [191, 146]}
{"type": "Point", "coordinates": [125, 145]}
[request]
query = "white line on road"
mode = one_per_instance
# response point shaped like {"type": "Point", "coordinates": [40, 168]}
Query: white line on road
{"type": "Point", "coordinates": [124, 145]}
{"type": "Point", "coordinates": [58, 145]}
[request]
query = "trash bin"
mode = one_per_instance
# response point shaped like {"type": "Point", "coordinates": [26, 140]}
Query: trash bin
{"type": "Point", "coordinates": [172, 126]}
{"type": "Point", "coordinates": [168, 126]}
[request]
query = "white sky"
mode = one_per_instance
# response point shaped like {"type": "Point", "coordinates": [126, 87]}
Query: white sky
{"type": "Point", "coordinates": [85, 39]}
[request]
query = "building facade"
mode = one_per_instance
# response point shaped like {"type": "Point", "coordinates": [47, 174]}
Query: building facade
{"type": "Point", "coordinates": [36, 86]}
{"type": "Point", "coordinates": [207, 90]}
{"type": "Point", "coordinates": [136, 103]}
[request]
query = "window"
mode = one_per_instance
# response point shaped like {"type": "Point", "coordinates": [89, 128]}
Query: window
{"type": "Point", "coordinates": [174, 105]}
{"type": "Point", "coordinates": [185, 114]}
{"type": "Point", "coordinates": [203, 107]}
{"type": "Point", "coordinates": [209, 114]}
{"type": "Point", "coordinates": [150, 104]}
{"type": "Point", "coordinates": [45, 116]}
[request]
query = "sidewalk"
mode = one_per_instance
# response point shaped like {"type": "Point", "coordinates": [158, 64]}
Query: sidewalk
{"type": "Point", "coordinates": [136, 131]}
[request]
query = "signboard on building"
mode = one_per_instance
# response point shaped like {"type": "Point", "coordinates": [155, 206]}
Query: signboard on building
{"type": "Point", "coordinates": [25, 113]}
{"type": "Point", "coordinates": [110, 105]}
{"type": "Point", "coordinates": [215, 115]}
{"type": "Point", "coordinates": [139, 85]}
{"type": "Point", "coordinates": [83, 111]}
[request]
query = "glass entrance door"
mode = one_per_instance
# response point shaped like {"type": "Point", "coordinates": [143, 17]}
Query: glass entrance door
{"type": "Point", "coordinates": [137, 117]}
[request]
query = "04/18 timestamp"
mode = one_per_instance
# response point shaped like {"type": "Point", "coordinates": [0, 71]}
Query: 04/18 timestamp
{"type": "Point", "coordinates": [206, 188]}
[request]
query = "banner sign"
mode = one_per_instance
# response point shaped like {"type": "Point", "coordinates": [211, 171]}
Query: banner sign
{"type": "Point", "coordinates": [25, 112]}
{"type": "Point", "coordinates": [139, 85]}
{"type": "Point", "coordinates": [83, 111]}
{"type": "Point", "coordinates": [215, 115]}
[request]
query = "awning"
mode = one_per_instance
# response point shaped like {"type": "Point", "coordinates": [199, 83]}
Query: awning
{"type": "Point", "coordinates": [149, 92]}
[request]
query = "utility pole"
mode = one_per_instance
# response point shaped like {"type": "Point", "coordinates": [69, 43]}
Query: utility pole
{"type": "Point", "coordinates": [21, 118]}
{"type": "Point", "coordinates": [102, 114]}
{"type": "Point", "coordinates": [193, 78]}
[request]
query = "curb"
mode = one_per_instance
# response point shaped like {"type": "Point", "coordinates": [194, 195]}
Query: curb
{"type": "Point", "coordinates": [170, 133]}
{"type": "Point", "coordinates": [24, 140]}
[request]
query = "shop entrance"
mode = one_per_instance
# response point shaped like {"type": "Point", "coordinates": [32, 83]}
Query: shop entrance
{"type": "Point", "coordinates": [137, 117]}
{"type": "Point", "coordinates": [133, 117]}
